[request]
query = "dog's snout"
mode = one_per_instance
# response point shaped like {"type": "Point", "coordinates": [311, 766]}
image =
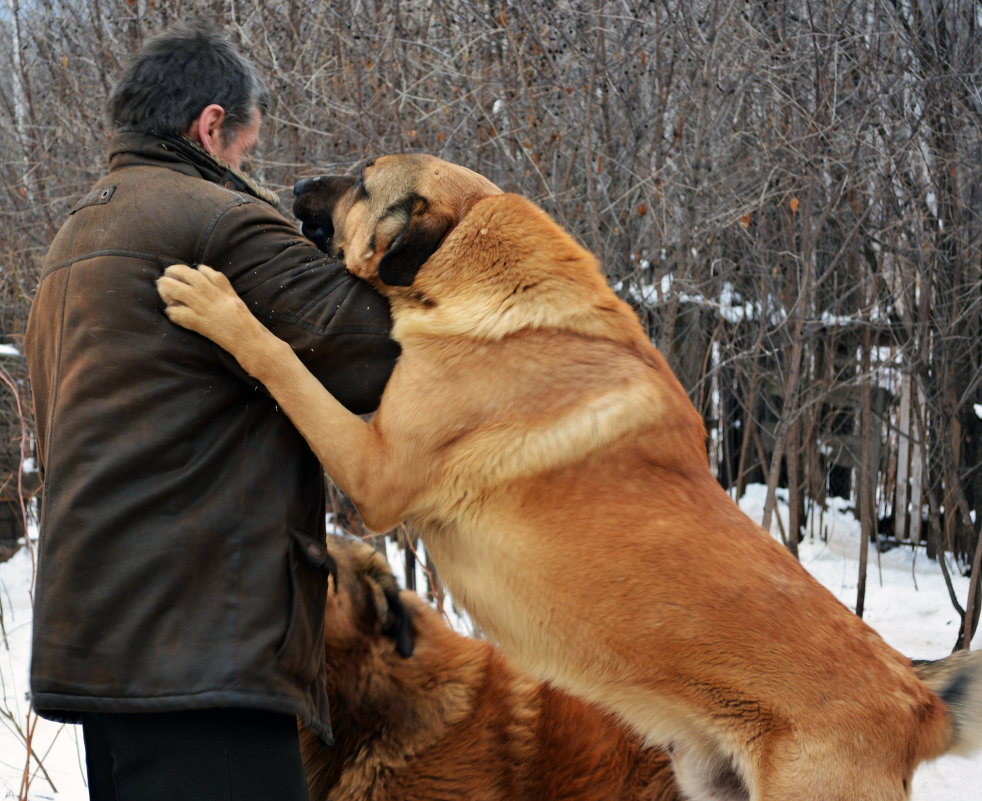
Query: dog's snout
{"type": "Point", "coordinates": [303, 185]}
{"type": "Point", "coordinates": [314, 202]}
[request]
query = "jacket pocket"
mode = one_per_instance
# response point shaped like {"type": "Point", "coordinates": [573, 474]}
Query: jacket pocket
{"type": "Point", "coordinates": [302, 651]}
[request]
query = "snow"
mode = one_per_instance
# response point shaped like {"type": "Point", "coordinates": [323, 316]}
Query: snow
{"type": "Point", "coordinates": [906, 601]}
{"type": "Point", "coordinates": [730, 306]}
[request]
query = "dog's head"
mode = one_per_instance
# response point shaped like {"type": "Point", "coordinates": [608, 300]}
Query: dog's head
{"type": "Point", "coordinates": [387, 220]}
{"type": "Point", "coordinates": [363, 603]}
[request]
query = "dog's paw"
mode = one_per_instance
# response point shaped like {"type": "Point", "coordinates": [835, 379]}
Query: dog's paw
{"type": "Point", "coordinates": [202, 300]}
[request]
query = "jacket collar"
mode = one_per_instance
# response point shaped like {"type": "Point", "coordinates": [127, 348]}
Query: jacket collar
{"type": "Point", "coordinates": [131, 148]}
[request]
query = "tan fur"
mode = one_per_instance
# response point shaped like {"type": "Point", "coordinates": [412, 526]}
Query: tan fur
{"type": "Point", "coordinates": [454, 720]}
{"type": "Point", "coordinates": [557, 473]}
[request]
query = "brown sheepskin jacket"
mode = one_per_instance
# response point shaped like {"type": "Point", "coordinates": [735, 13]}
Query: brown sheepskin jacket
{"type": "Point", "coordinates": [182, 560]}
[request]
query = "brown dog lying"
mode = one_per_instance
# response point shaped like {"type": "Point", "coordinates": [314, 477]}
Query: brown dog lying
{"type": "Point", "coordinates": [557, 472]}
{"type": "Point", "coordinates": [421, 712]}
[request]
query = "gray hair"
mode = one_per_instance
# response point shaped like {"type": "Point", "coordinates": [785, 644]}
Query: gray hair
{"type": "Point", "coordinates": [177, 74]}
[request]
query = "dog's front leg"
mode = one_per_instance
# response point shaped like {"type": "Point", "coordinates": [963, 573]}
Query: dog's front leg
{"type": "Point", "coordinates": [353, 452]}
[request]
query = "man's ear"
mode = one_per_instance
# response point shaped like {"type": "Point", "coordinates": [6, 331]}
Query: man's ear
{"type": "Point", "coordinates": [207, 126]}
{"type": "Point", "coordinates": [414, 233]}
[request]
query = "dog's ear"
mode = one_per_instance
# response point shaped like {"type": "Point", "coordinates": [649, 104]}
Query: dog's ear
{"type": "Point", "coordinates": [398, 626]}
{"type": "Point", "coordinates": [414, 232]}
{"type": "Point", "coordinates": [394, 619]}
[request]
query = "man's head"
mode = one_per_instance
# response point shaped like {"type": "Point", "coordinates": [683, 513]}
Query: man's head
{"type": "Point", "coordinates": [191, 81]}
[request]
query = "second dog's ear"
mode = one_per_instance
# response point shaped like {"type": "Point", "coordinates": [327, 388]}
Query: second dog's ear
{"type": "Point", "coordinates": [398, 626]}
{"type": "Point", "coordinates": [414, 233]}
{"type": "Point", "coordinates": [392, 616]}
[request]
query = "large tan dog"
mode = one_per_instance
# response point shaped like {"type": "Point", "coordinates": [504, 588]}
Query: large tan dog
{"type": "Point", "coordinates": [423, 713]}
{"type": "Point", "coordinates": [558, 475]}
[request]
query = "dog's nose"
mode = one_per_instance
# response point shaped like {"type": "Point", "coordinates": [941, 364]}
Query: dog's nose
{"type": "Point", "coordinates": [302, 185]}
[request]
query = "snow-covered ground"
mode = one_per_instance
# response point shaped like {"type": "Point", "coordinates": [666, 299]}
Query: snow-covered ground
{"type": "Point", "coordinates": [906, 601]}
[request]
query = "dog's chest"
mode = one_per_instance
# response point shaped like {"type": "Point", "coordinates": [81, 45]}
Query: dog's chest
{"type": "Point", "coordinates": [494, 567]}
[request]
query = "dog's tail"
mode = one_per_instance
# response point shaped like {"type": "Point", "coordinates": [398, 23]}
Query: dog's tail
{"type": "Point", "coordinates": [957, 680]}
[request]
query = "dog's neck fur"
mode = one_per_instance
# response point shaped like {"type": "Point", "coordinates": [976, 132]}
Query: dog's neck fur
{"type": "Point", "coordinates": [476, 290]}
{"type": "Point", "coordinates": [454, 295]}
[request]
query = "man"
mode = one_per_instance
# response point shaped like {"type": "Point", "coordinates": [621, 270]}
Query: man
{"type": "Point", "coordinates": [180, 590]}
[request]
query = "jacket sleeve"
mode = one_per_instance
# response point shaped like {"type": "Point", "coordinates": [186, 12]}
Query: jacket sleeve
{"type": "Point", "coordinates": [337, 324]}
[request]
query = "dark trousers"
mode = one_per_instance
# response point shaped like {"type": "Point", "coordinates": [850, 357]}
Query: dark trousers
{"type": "Point", "coordinates": [207, 755]}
